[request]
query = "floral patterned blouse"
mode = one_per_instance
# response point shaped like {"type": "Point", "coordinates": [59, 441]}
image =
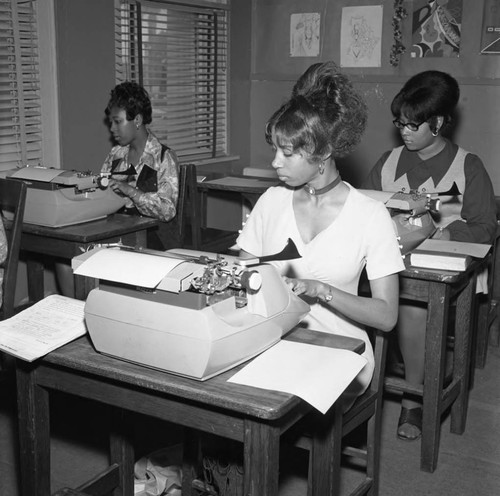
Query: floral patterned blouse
{"type": "Point", "coordinates": [156, 175]}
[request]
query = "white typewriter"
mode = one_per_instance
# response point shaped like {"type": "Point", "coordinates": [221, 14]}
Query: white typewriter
{"type": "Point", "coordinates": [191, 313]}
{"type": "Point", "coordinates": [58, 197]}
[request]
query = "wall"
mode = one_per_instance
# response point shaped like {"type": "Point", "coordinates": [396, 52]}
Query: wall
{"type": "Point", "coordinates": [274, 72]}
{"type": "Point", "coordinates": [85, 57]}
{"type": "Point", "coordinates": [85, 61]}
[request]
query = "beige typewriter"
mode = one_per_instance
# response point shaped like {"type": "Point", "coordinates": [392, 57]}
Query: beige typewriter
{"type": "Point", "coordinates": [191, 313]}
{"type": "Point", "coordinates": [58, 197]}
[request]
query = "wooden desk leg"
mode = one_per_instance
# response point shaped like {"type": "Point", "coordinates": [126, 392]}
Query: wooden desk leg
{"type": "Point", "coordinates": [435, 362]}
{"type": "Point", "coordinates": [462, 354]}
{"type": "Point", "coordinates": [122, 451]}
{"type": "Point", "coordinates": [137, 239]}
{"type": "Point", "coordinates": [83, 286]}
{"type": "Point", "coordinates": [261, 459]}
{"type": "Point", "coordinates": [34, 432]}
{"type": "Point", "coordinates": [326, 453]}
{"type": "Point", "coordinates": [203, 209]}
{"type": "Point", "coordinates": [35, 269]}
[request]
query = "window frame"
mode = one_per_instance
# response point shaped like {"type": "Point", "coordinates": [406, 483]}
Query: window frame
{"type": "Point", "coordinates": [47, 100]}
{"type": "Point", "coordinates": [208, 139]}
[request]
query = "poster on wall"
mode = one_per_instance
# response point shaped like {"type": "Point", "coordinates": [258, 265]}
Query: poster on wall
{"type": "Point", "coordinates": [490, 35]}
{"type": "Point", "coordinates": [361, 36]}
{"type": "Point", "coordinates": [436, 28]}
{"type": "Point", "coordinates": [304, 35]}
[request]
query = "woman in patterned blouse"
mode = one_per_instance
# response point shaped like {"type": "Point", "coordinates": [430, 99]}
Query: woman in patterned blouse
{"type": "Point", "coordinates": [143, 170]}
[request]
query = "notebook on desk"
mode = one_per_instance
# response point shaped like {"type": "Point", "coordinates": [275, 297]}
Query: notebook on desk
{"type": "Point", "coordinates": [447, 255]}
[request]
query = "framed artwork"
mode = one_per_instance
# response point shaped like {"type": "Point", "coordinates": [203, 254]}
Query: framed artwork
{"type": "Point", "coordinates": [361, 36]}
{"type": "Point", "coordinates": [490, 34]}
{"type": "Point", "coordinates": [305, 35]}
{"type": "Point", "coordinates": [436, 28]}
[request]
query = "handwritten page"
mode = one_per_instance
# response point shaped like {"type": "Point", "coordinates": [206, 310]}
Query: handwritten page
{"type": "Point", "coordinates": [43, 327]}
{"type": "Point", "coordinates": [317, 374]}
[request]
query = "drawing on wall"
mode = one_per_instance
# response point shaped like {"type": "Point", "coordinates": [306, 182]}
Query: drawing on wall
{"type": "Point", "coordinates": [360, 36]}
{"type": "Point", "coordinates": [490, 37]}
{"type": "Point", "coordinates": [304, 35]}
{"type": "Point", "coordinates": [437, 26]}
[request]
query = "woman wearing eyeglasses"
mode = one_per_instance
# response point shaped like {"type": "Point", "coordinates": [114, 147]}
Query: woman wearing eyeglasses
{"type": "Point", "coordinates": [429, 162]}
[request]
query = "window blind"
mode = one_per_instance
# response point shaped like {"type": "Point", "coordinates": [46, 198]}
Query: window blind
{"type": "Point", "coordinates": [179, 52]}
{"type": "Point", "coordinates": [20, 115]}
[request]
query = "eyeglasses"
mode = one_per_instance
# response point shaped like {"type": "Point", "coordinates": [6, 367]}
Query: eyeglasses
{"type": "Point", "coordinates": [410, 125]}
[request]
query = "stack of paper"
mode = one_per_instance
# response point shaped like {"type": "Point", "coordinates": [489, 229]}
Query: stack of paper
{"type": "Point", "coordinates": [447, 255]}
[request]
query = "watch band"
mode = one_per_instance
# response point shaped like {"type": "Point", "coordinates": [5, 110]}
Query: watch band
{"type": "Point", "coordinates": [326, 298]}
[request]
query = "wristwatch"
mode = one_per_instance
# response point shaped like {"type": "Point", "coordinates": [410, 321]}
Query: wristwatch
{"type": "Point", "coordinates": [326, 298]}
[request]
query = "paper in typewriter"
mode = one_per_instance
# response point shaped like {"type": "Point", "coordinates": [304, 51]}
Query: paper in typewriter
{"type": "Point", "coordinates": [129, 267]}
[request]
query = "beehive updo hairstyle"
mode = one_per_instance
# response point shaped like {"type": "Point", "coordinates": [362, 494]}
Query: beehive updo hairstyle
{"type": "Point", "coordinates": [325, 116]}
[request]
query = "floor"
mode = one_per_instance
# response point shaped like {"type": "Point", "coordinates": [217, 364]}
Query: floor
{"type": "Point", "coordinates": [468, 464]}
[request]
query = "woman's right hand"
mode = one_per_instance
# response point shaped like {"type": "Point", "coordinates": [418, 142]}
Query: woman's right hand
{"type": "Point", "coordinates": [307, 287]}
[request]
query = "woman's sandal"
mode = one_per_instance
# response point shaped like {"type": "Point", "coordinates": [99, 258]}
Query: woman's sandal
{"type": "Point", "coordinates": [413, 417]}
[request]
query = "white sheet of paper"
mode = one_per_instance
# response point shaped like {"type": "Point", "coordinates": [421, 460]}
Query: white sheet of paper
{"type": "Point", "coordinates": [317, 374]}
{"type": "Point", "coordinates": [138, 269]}
{"type": "Point", "coordinates": [43, 327]}
{"type": "Point", "coordinates": [477, 250]}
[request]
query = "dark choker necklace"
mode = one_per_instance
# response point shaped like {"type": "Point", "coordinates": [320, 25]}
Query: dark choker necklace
{"type": "Point", "coordinates": [328, 187]}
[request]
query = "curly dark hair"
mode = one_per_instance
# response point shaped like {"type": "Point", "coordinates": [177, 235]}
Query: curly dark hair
{"type": "Point", "coordinates": [132, 98]}
{"type": "Point", "coordinates": [325, 115]}
{"type": "Point", "coordinates": [427, 95]}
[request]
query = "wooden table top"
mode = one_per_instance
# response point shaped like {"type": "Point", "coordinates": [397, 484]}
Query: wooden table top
{"type": "Point", "coordinates": [88, 232]}
{"type": "Point", "coordinates": [239, 184]}
{"type": "Point", "coordinates": [81, 356]}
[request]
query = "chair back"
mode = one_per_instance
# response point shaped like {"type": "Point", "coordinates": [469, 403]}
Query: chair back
{"type": "Point", "coordinates": [12, 203]}
{"type": "Point", "coordinates": [194, 234]}
{"type": "Point", "coordinates": [189, 206]}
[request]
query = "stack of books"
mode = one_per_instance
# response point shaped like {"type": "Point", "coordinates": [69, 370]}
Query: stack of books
{"type": "Point", "coordinates": [446, 255]}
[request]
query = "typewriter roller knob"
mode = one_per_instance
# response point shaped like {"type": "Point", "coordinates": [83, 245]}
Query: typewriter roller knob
{"type": "Point", "coordinates": [251, 280]}
{"type": "Point", "coordinates": [103, 182]}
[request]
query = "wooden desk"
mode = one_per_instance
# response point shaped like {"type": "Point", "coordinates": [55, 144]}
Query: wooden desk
{"type": "Point", "coordinates": [67, 242]}
{"type": "Point", "coordinates": [248, 187]}
{"type": "Point", "coordinates": [255, 417]}
{"type": "Point", "coordinates": [439, 289]}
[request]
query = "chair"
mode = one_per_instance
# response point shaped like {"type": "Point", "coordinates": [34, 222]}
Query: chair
{"type": "Point", "coordinates": [366, 410]}
{"type": "Point", "coordinates": [12, 201]}
{"type": "Point", "coordinates": [192, 234]}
